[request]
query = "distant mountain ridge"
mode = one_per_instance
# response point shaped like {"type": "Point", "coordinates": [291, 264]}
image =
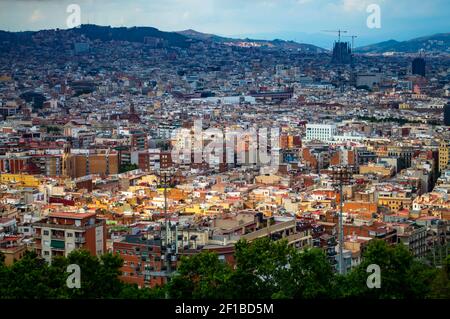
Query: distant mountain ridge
{"type": "Point", "coordinates": [434, 43]}
{"type": "Point", "coordinates": [139, 34]}
{"type": "Point", "coordinates": [203, 36]}
{"type": "Point", "coordinates": [439, 42]}
{"type": "Point", "coordinates": [269, 43]}
{"type": "Point", "coordinates": [103, 33]}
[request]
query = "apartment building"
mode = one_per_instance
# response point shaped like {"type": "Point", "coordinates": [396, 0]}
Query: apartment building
{"type": "Point", "coordinates": [413, 236]}
{"type": "Point", "coordinates": [444, 152]}
{"type": "Point", "coordinates": [395, 200]}
{"type": "Point", "coordinates": [104, 163]}
{"type": "Point", "coordinates": [143, 262]}
{"type": "Point", "coordinates": [13, 163]}
{"type": "Point", "coordinates": [60, 233]}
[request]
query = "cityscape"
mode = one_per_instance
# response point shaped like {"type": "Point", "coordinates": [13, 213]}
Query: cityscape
{"type": "Point", "coordinates": [137, 163]}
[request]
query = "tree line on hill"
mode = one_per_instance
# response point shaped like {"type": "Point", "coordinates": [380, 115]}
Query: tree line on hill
{"type": "Point", "coordinates": [264, 269]}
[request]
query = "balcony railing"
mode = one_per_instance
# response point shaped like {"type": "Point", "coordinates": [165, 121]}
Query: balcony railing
{"type": "Point", "coordinates": [62, 226]}
{"type": "Point", "coordinates": [158, 273]}
{"type": "Point", "coordinates": [80, 240]}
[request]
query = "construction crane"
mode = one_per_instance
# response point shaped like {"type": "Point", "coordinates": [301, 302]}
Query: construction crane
{"type": "Point", "coordinates": [336, 31]}
{"type": "Point", "coordinates": [353, 40]}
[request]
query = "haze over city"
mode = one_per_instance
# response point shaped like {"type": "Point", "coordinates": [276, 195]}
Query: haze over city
{"type": "Point", "coordinates": [250, 155]}
{"type": "Point", "coordinates": [298, 20]}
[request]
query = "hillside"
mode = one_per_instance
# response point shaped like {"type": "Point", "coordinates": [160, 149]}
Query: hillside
{"type": "Point", "coordinates": [103, 33]}
{"type": "Point", "coordinates": [277, 43]}
{"type": "Point", "coordinates": [434, 43]}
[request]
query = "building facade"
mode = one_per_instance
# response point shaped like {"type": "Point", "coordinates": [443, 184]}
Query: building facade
{"type": "Point", "coordinates": [60, 233]}
{"type": "Point", "coordinates": [321, 132]}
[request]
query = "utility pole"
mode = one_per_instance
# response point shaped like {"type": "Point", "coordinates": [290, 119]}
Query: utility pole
{"type": "Point", "coordinates": [434, 250]}
{"type": "Point", "coordinates": [341, 176]}
{"type": "Point", "coordinates": [164, 181]}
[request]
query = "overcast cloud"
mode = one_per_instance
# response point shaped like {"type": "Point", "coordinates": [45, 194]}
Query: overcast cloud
{"type": "Point", "coordinates": [300, 20]}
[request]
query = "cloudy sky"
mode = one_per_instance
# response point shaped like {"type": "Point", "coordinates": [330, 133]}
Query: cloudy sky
{"type": "Point", "coordinates": [299, 20]}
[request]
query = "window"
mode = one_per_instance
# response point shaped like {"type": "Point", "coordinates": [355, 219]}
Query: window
{"type": "Point", "coordinates": [46, 232]}
{"type": "Point", "coordinates": [46, 253]}
{"type": "Point", "coordinates": [69, 234]}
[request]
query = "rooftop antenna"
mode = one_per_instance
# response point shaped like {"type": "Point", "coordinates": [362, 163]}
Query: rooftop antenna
{"type": "Point", "coordinates": [341, 176]}
{"type": "Point", "coordinates": [166, 181]}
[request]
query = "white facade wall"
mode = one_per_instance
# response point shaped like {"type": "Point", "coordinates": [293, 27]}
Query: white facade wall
{"type": "Point", "coordinates": [321, 132]}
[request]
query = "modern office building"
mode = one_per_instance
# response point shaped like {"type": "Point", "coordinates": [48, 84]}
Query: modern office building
{"type": "Point", "coordinates": [321, 132]}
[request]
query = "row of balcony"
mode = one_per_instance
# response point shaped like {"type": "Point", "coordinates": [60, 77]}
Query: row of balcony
{"type": "Point", "coordinates": [80, 240]}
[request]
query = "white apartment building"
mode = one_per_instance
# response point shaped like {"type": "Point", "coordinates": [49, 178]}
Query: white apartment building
{"type": "Point", "coordinates": [321, 132]}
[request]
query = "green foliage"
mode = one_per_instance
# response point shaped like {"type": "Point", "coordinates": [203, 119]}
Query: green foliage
{"type": "Point", "coordinates": [29, 278]}
{"type": "Point", "coordinates": [311, 275]}
{"type": "Point", "coordinates": [262, 269]}
{"type": "Point", "coordinates": [200, 276]}
{"type": "Point", "coordinates": [401, 275]}
{"type": "Point", "coordinates": [440, 287]}
{"type": "Point", "coordinates": [400, 121]}
{"type": "Point", "coordinates": [263, 265]}
{"type": "Point", "coordinates": [134, 292]}
{"type": "Point", "coordinates": [127, 168]}
{"type": "Point", "coordinates": [53, 129]}
{"type": "Point", "coordinates": [32, 278]}
{"type": "Point", "coordinates": [268, 269]}
{"type": "Point", "coordinates": [99, 276]}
